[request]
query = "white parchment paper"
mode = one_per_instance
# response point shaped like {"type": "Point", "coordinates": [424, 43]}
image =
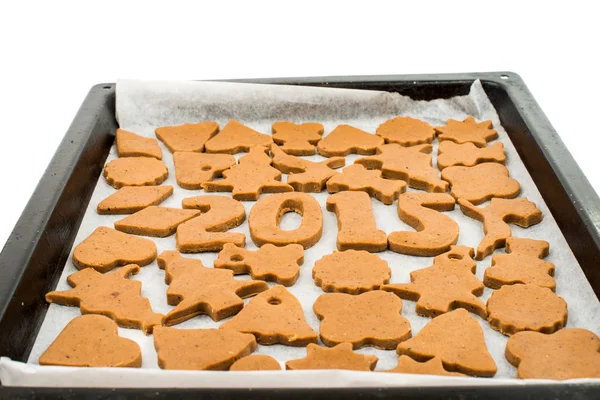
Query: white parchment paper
{"type": "Point", "coordinates": [143, 106]}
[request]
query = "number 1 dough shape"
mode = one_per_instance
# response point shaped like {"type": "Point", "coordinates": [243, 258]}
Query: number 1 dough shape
{"type": "Point", "coordinates": [436, 232]}
{"type": "Point", "coordinates": [356, 222]}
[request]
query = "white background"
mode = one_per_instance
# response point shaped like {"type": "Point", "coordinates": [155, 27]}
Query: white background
{"type": "Point", "coordinates": [51, 53]}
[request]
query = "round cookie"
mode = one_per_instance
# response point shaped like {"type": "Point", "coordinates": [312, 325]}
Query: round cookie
{"type": "Point", "coordinates": [256, 362]}
{"type": "Point", "coordinates": [135, 171]}
{"type": "Point", "coordinates": [406, 131]}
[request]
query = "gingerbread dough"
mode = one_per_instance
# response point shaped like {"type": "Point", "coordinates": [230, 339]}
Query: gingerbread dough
{"type": "Point", "coordinates": [135, 171]}
{"type": "Point", "coordinates": [468, 155]}
{"type": "Point", "coordinates": [297, 139]}
{"type": "Point", "coordinates": [338, 357]}
{"type": "Point", "coordinates": [480, 183]}
{"type": "Point", "coordinates": [187, 137]}
{"type": "Point", "coordinates": [406, 131]}
{"type": "Point", "coordinates": [256, 362]}
{"type": "Point", "coordinates": [407, 365]}
{"type": "Point", "coordinates": [356, 177]}
{"type": "Point", "coordinates": [131, 145]}
{"type": "Point", "coordinates": [155, 221]}
{"type": "Point", "coordinates": [237, 138]}
{"type": "Point", "coordinates": [194, 169]}
{"type": "Point", "coordinates": [435, 232]}
{"type": "Point", "coordinates": [130, 199]}
{"type": "Point", "coordinates": [346, 139]}
{"type": "Point", "coordinates": [467, 131]}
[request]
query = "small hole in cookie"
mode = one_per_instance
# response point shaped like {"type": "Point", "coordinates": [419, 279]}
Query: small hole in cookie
{"type": "Point", "coordinates": [455, 257]}
{"type": "Point", "coordinates": [237, 258]}
{"type": "Point", "coordinates": [274, 301]}
{"type": "Point", "coordinates": [206, 168]}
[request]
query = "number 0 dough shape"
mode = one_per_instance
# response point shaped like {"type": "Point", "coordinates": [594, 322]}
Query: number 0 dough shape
{"type": "Point", "coordinates": [266, 215]}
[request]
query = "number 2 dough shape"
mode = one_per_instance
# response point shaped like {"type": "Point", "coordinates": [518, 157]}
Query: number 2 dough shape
{"type": "Point", "coordinates": [346, 139]}
{"type": "Point", "coordinates": [266, 215]}
{"type": "Point", "coordinates": [436, 232]}
{"type": "Point", "coordinates": [297, 139]}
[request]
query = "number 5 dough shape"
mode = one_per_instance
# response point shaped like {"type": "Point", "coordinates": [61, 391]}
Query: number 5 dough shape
{"type": "Point", "coordinates": [356, 222]}
{"type": "Point", "coordinates": [207, 231]}
{"type": "Point", "coordinates": [266, 215]}
{"type": "Point", "coordinates": [435, 232]}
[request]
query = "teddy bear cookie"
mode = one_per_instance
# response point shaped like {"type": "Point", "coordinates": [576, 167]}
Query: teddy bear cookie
{"type": "Point", "coordinates": [131, 199]}
{"type": "Point", "coordinates": [480, 183]}
{"type": "Point", "coordinates": [406, 131]}
{"type": "Point", "coordinates": [468, 155]}
{"type": "Point", "coordinates": [467, 131]}
{"type": "Point", "coordinates": [375, 318]}
{"type": "Point", "coordinates": [131, 145]}
{"type": "Point", "coordinates": [92, 341]}
{"type": "Point", "coordinates": [356, 177]}
{"type": "Point", "coordinates": [256, 362]}
{"type": "Point", "coordinates": [434, 366]}
{"type": "Point", "coordinates": [346, 139]}
{"type": "Point", "coordinates": [155, 221]}
{"type": "Point", "coordinates": [345, 272]}
{"type": "Point", "coordinates": [187, 137]}
{"type": "Point", "coordinates": [135, 171]}
{"type": "Point", "coordinates": [194, 169]}
{"type": "Point", "coordinates": [201, 349]}
{"type": "Point", "coordinates": [112, 295]}
{"type": "Point", "coordinates": [297, 139]}
{"type": "Point", "coordinates": [338, 357]}
{"type": "Point", "coordinates": [236, 138]}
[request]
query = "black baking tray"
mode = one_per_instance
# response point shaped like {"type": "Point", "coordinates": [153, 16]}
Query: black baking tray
{"type": "Point", "coordinates": [34, 255]}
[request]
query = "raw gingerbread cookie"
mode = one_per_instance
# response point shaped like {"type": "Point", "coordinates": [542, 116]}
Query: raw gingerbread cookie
{"type": "Point", "coordinates": [480, 183]}
{"type": "Point", "coordinates": [467, 131]}
{"type": "Point", "coordinates": [567, 354]}
{"type": "Point", "coordinates": [351, 272]}
{"type": "Point", "coordinates": [297, 139]}
{"type": "Point", "coordinates": [468, 155]}
{"type": "Point", "coordinates": [522, 263]}
{"type": "Point", "coordinates": [187, 137]}
{"type": "Point", "coordinates": [338, 357]}
{"type": "Point", "coordinates": [155, 221]}
{"type": "Point", "coordinates": [201, 349]}
{"type": "Point", "coordinates": [435, 232]}
{"type": "Point", "coordinates": [304, 175]}
{"type": "Point", "coordinates": [252, 176]}
{"type": "Point", "coordinates": [131, 145]}
{"type": "Point", "coordinates": [374, 319]}
{"type": "Point", "coordinates": [346, 139]}
{"type": "Point", "coordinates": [356, 177]}
{"type": "Point", "coordinates": [130, 199]}
{"type": "Point", "coordinates": [457, 339]}
{"type": "Point", "coordinates": [410, 164]}
{"type": "Point", "coordinates": [274, 316]}
{"type": "Point", "coordinates": [193, 169]}
{"type": "Point", "coordinates": [256, 362]}
{"type": "Point", "coordinates": [270, 263]}
{"type": "Point", "coordinates": [406, 131]}
{"type": "Point", "coordinates": [195, 289]}
{"type": "Point", "coordinates": [107, 248]}
{"type": "Point", "coordinates": [237, 138]}
{"type": "Point", "coordinates": [515, 308]}
{"type": "Point", "coordinates": [448, 284]}
{"type": "Point", "coordinates": [357, 229]}
{"type": "Point", "coordinates": [266, 215]}
{"type": "Point", "coordinates": [207, 231]}
{"type": "Point", "coordinates": [495, 218]}
{"type": "Point", "coordinates": [92, 341]}
{"type": "Point", "coordinates": [112, 294]}
{"type": "Point", "coordinates": [407, 365]}
{"type": "Point", "coordinates": [135, 171]}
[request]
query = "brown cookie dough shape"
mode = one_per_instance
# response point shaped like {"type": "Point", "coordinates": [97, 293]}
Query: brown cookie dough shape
{"type": "Point", "coordinates": [187, 137]}
{"type": "Point", "coordinates": [374, 317]}
{"type": "Point", "coordinates": [266, 215]}
{"type": "Point", "coordinates": [131, 145]}
{"type": "Point", "coordinates": [467, 131]}
{"type": "Point", "coordinates": [351, 272]}
{"type": "Point", "coordinates": [304, 175]}
{"type": "Point", "coordinates": [107, 248]}
{"type": "Point", "coordinates": [468, 155]}
{"type": "Point", "coordinates": [195, 289]}
{"type": "Point", "coordinates": [522, 263]}
{"type": "Point", "coordinates": [434, 366]}
{"type": "Point", "coordinates": [406, 131]}
{"type": "Point", "coordinates": [194, 169]}
{"type": "Point", "coordinates": [297, 139]}
{"type": "Point", "coordinates": [270, 263]}
{"type": "Point", "coordinates": [135, 171]}
{"type": "Point", "coordinates": [252, 176]}
{"type": "Point", "coordinates": [130, 199]}
{"type": "Point", "coordinates": [346, 139]}
{"type": "Point", "coordinates": [357, 229]}
{"type": "Point", "coordinates": [435, 232]}
{"type": "Point", "coordinates": [567, 354]}
{"type": "Point", "coordinates": [274, 316]}
{"type": "Point", "coordinates": [448, 284]}
{"type": "Point", "coordinates": [410, 164]}
{"type": "Point", "coordinates": [356, 177]}
{"type": "Point", "coordinates": [480, 183]}
{"type": "Point", "coordinates": [457, 339]}
{"type": "Point", "coordinates": [516, 308]}
{"type": "Point", "coordinates": [256, 362]}
{"type": "Point", "coordinates": [495, 218]}
{"type": "Point", "coordinates": [338, 357]}
{"type": "Point", "coordinates": [207, 231]}
{"type": "Point", "coordinates": [92, 341]}
{"type": "Point", "coordinates": [155, 221]}
{"type": "Point", "coordinates": [201, 349]}
{"type": "Point", "coordinates": [237, 138]}
{"type": "Point", "coordinates": [112, 295]}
